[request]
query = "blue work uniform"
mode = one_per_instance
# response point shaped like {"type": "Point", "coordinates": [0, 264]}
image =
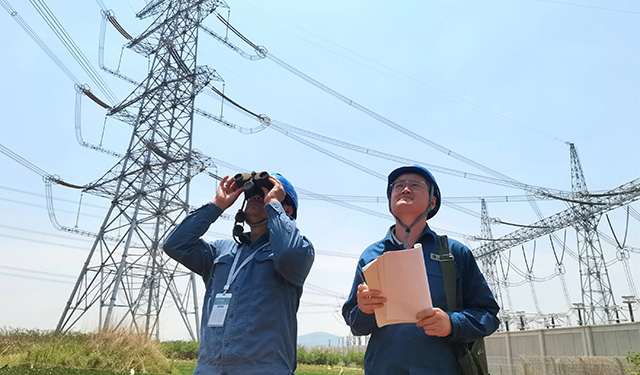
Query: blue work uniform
{"type": "Point", "coordinates": [405, 349]}
{"type": "Point", "coordinates": [260, 329]}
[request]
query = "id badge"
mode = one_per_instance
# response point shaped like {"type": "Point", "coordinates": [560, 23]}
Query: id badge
{"type": "Point", "coordinates": [219, 310]}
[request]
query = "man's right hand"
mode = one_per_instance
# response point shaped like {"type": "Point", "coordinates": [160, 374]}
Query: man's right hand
{"type": "Point", "coordinates": [369, 299]}
{"type": "Point", "coordinates": [227, 193]}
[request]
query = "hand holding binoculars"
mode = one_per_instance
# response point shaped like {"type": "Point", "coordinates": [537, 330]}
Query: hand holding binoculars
{"type": "Point", "coordinates": [253, 183]}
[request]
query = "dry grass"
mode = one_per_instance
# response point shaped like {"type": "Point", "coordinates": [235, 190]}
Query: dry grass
{"type": "Point", "coordinates": [106, 350]}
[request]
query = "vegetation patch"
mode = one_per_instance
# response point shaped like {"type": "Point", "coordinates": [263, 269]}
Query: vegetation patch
{"type": "Point", "coordinates": [117, 351]}
{"type": "Point", "coordinates": [35, 352]}
{"type": "Point", "coordinates": [319, 369]}
{"type": "Point", "coordinates": [28, 370]}
{"type": "Point", "coordinates": [324, 357]}
{"type": "Point", "coordinates": [184, 350]}
{"type": "Point", "coordinates": [634, 359]}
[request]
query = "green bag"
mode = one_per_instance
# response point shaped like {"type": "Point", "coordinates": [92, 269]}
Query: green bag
{"type": "Point", "coordinates": [471, 357]}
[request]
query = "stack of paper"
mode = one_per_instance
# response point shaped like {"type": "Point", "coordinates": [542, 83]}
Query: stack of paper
{"type": "Point", "coordinates": [401, 277]}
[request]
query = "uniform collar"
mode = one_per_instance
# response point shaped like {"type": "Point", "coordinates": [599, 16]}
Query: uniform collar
{"type": "Point", "coordinates": [259, 242]}
{"type": "Point", "coordinates": [392, 243]}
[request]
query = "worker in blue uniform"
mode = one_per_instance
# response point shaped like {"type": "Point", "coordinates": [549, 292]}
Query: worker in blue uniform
{"type": "Point", "coordinates": [253, 286]}
{"type": "Point", "coordinates": [426, 347]}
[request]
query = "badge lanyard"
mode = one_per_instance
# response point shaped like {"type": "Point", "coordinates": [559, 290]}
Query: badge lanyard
{"type": "Point", "coordinates": [234, 272]}
{"type": "Point", "coordinates": [222, 300]}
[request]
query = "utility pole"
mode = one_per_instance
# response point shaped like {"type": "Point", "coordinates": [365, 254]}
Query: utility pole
{"type": "Point", "coordinates": [149, 187]}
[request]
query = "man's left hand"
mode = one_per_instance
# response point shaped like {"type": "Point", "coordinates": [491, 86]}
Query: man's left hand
{"type": "Point", "coordinates": [435, 322]}
{"type": "Point", "coordinates": [276, 194]}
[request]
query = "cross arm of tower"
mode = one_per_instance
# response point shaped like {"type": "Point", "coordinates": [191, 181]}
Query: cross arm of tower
{"type": "Point", "coordinates": [596, 204]}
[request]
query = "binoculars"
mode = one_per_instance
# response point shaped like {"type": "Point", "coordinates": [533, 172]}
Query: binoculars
{"type": "Point", "coordinates": [253, 183]}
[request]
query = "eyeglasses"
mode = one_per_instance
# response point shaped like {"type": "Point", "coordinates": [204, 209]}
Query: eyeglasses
{"type": "Point", "coordinates": [413, 185]}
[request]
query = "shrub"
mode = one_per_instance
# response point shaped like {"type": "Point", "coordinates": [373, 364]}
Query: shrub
{"type": "Point", "coordinates": [180, 349]}
{"type": "Point", "coordinates": [634, 358]}
{"type": "Point", "coordinates": [303, 355]}
{"type": "Point", "coordinates": [355, 358]}
{"type": "Point", "coordinates": [324, 357]}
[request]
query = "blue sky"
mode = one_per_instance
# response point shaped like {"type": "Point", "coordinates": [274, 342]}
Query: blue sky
{"type": "Point", "coordinates": [503, 83]}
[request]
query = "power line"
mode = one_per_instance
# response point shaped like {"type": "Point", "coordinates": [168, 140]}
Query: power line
{"type": "Point", "coordinates": [44, 196]}
{"type": "Point", "coordinates": [29, 230]}
{"type": "Point", "coordinates": [64, 37]}
{"type": "Point", "coordinates": [36, 278]}
{"type": "Point", "coordinates": [43, 206]}
{"type": "Point", "coordinates": [372, 114]}
{"type": "Point", "coordinates": [43, 242]}
{"type": "Point", "coordinates": [25, 26]}
{"type": "Point", "coordinates": [24, 162]}
{"type": "Point", "coordinates": [396, 127]}
{"type": "Point", "coordinates": [589, 6]}
{"type": "Point", "coordinates": [343, 204]}
{"type": "Point", "coordinates": [385, 121]}
{"type": "Point", "coordinates": [429, 88]}
{"type": "Point", "coordinates": [80, 88]}
{"type": "Point", "coordinates": [470, 199]}
{"type": "Point", "coordinates": [391, 124]}
{"type": "Point", "coordinates": [36, 271]}
{"type": "Point", "coordinates": [324, 291]}
{"type": "Point", "coordinates": [337, 254]}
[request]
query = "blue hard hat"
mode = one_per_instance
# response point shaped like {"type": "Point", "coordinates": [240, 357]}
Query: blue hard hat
{"type": "Point", "coordinates": [424, 172]}
{"type": "Point", "coordinates": [292, 196]}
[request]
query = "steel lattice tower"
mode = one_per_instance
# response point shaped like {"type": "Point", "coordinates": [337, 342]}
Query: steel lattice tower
{"type": "Point", "coordinates": [131, 280]}
{"type": "Point", "coordinates": [489, 262]}
{"type": "Point", "coordinates": [597, 295]}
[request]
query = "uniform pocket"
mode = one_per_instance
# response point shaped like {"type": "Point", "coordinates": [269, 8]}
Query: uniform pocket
{"type": "Point", "coordinates": [221, 268]}
{"type": "Point", "coordinates": [436, 284]}
{"type": "Point", "coordinates": [265, 267]}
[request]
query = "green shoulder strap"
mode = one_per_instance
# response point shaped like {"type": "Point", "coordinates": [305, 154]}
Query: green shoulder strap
{"type": "Point", "coordinates": [448, 273]}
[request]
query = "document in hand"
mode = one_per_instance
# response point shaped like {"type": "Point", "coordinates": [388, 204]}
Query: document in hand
{"type": "Point", "coordinates": [401, 277]}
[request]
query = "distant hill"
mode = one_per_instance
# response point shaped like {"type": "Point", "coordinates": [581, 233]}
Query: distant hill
{"type": "Point", "coordinates": [317, 339]}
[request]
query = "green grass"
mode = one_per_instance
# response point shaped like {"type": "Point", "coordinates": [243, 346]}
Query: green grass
{"type": "Point", "coordinates": [27, 370]}
{"type": "Point", "coordinates": [180, 349]}
{"type": "Point", "coordinates": [324, 369]}
{"type": "Point", "coordinates": [184, 369]}
{"type": "Point", "coordinates": [27, 352]}
{"type": "Point", "coordinates": [634, 358]}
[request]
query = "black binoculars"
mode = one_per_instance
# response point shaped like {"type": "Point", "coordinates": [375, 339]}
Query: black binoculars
{"type": "Point", "coordinates": [253, 183]}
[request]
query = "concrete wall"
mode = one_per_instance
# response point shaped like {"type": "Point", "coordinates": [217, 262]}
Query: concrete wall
{"type": "Point", "coordinates": [572, 366]}
{"type": "Point", "coordinates": [507, 351]}
{"type": "Point", "coordinates": [555, 351]}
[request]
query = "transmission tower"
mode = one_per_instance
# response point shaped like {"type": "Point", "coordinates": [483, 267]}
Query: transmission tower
{"type": "Point", "coordinates": [132, 280]}
{"type": "Point", "coordinates": [597, 295]}
{"type": "Point", "coordinates": [583, 214]}
{"type": "Point", "coordinates": [489, 262]}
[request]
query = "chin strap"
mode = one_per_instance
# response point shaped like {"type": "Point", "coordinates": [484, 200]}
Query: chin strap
{"type": "Point", "coordinates": [407, 229]}
{"type": "Point", "coordinates": [258, 224]}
